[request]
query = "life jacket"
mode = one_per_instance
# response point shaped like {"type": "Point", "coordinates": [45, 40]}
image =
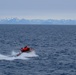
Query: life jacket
{"type": "Point", "coordinates": [25, 49]}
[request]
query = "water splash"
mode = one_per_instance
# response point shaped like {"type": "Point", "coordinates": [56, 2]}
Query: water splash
{"type": "Point", "coordinates": [13, 56]}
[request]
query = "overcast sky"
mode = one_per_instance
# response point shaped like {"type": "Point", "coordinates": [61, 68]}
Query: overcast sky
{"type": "Point", "coordinates": [38, 9]}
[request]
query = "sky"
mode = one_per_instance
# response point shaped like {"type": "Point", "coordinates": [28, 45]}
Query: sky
{"type": "Point", "coordinates": [38, 9]}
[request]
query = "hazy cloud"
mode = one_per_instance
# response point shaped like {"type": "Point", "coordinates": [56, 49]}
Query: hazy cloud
{"type": "Point", "coordinates": [38, 8]}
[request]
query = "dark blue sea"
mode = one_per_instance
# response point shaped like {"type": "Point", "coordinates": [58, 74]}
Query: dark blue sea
{"type": "Point", "coordinates": [54, 49]}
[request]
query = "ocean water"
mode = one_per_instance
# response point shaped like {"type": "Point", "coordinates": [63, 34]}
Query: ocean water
{"type": "Point", "coordinates": [54, 49]}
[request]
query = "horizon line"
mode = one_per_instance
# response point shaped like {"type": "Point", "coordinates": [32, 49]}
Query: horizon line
{"type": "Point", "coordinates": [34, 19]}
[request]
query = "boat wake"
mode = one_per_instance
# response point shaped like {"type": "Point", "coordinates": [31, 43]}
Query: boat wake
{"type": "Point", "coordinates": [13, 56]}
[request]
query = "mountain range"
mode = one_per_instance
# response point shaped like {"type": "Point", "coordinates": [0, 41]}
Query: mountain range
{"type": "Point", "coordinates": [38, 21]}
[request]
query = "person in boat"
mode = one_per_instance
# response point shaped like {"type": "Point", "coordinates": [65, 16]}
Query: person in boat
{"type": "Point", "coordinates": [24, 49]}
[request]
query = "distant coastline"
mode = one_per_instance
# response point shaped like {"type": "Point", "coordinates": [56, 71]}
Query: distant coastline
{"type": "Point", "coordinates": [38, 21]}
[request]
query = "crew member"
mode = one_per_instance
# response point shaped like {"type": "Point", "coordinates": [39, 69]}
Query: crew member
{"type": "Point", "coordinates": [25, 49]}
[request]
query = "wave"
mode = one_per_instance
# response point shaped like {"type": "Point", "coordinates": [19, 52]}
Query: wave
{"type": "Point", "coordinates": [13, 56]}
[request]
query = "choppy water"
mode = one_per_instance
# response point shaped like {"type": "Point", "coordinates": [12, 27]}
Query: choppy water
{"type": "Point", "coordinates": [55, 50]}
